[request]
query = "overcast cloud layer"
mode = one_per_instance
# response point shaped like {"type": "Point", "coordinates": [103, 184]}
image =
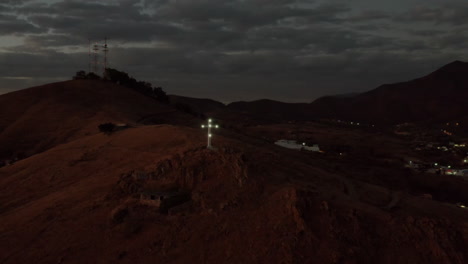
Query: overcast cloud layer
{"type": "Point", "coordinates": [233, 50]}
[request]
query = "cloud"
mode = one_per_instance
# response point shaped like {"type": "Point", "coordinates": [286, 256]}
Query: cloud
{"type": "Point", "coordinates": [452, 13]}
{"type": "Point", "coordinates": [268, 47]}
{"type": "Point", "coordinates": [12, 25]}
{"type": "Point", "coordinates": [369, 15]}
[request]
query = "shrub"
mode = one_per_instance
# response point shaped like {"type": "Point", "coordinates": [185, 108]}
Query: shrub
{"type": "Point", "coordinates": [81, 75]}
{"type": "Point", "coordinates": [92, 76]}
{"type": "Point", "coordinates": [146, 88]}
{"type": "Point", "coordinates": [107, 128]}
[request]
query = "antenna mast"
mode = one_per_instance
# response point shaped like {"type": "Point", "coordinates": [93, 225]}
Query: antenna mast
{"type": "Point", "coordinates": [89, 55]}
{"type": "Point", "coordinates": [105, 50]}
{"type": "Point", "coordinates": [96, 58]}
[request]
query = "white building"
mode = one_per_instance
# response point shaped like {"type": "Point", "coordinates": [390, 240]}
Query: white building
{"type": "Point", "coordinates": [292, 144]}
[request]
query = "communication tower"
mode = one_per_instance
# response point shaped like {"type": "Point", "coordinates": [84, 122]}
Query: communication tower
{"type": "Point", "coordinates": [89, 55]}
{"type": "Point", "coordinates": [96, 58]}
{"type": "Point", "coordinates": [105, 49]}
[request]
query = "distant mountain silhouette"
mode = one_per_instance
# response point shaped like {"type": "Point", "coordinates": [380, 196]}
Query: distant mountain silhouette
{"type": "Point", "coordinates": [438, 97]}
{"type": "Point", "coordinates": [270, 109]}
{"type": "Point", "coordinates": [196, 105]}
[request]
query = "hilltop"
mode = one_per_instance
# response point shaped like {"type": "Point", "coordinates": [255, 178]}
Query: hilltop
{"type": "Point", "coordinates": [38, 118]}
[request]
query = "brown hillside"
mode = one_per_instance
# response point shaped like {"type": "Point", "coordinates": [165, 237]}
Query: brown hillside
{"type": "Point", "coordinates": [35, 119]}
{"type": "Point", "coordinates": [249, 203]}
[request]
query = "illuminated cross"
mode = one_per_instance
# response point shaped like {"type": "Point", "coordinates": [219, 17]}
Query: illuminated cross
{"type": "Point", "coordinates": [209, 126]}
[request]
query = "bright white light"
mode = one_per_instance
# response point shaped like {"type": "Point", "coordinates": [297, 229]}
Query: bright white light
{"type": "Point", "coordinates": [436, 164]}
{"type": "Point", "coordinates": [303, 143]}
{"type": "Point", "coordinates": [209, 125]}
{"type": "Point", "coordinates": [449, 167]}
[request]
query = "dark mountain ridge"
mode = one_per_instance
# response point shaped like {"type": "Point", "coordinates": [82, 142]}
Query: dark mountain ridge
{"type": "Point", "coordinates": [438, 97]}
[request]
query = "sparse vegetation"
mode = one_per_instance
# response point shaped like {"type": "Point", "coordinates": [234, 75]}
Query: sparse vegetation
{"type": "Point", "coordinates": [82, 75]}
{"type": "Point", "coordinates": [107, 128]}
{"type": "Point", "coordinates": [122, 78]}
{"type": "Point", "coordinates": [146, 88]}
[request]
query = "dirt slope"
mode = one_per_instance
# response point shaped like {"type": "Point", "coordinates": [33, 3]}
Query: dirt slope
{"type": "Point", "coordinates": [78, 203]}
{"type": "Point", "coordinates": [35, 119]}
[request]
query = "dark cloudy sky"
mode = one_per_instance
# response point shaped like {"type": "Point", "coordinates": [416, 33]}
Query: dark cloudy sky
{"type": "Point", "coordinates": [233, 50]}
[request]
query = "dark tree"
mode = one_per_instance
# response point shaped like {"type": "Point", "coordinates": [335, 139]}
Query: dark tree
{"type": "Point", "coordinates": [116, 76]}
{"type": "Point", "coordinates": [92, 76]}
{"type": "Point", "coordinates": [161, 95]}
{"type": "Point", "coordinates": [146, 88]}
{"type": "Point", "coordinates": [107, 128]}
{"type": "Point", "coordinates": [81, 75]}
